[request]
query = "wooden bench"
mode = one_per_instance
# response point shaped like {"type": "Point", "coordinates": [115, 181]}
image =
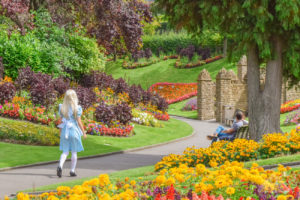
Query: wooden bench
{"type": "Point", "coordinates": [243, 133]}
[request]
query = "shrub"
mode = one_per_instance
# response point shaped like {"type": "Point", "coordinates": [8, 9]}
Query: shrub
{"type": "Point", "coordinates": [7, 92]}
{"type": "Point", "coordinates": [105, 113]}
{"type": "Point", "coordinates": [43, 93]}
{"type": "Point", "coordinates": [120, 86]}
{"type": "Point", "coordinates": [146, 97]}
{"type": "Point", "coordinates": [85, 96]}
{"type": "Point", "coordinates": [24, 79]}
{"type": "Point", "coordinates": [122, 113]}
{"type": "Point", "coordinates": [97, 79]}
{"type": "Point", "coordinates": [29, 133]}
{"type": "Point", "coordinates": [61, 85]}
{"type": "Point", "coordinates": [159, 102]}
{"type": "Point", "coordinates": [148, 53]}
{"type": "Point", "coordinates": [135, 94]}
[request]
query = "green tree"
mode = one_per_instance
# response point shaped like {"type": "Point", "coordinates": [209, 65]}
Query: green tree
{"type": "Point", "coordinates": [268, 31]}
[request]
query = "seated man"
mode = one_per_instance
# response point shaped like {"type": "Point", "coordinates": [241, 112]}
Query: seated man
{"type": "Point", "coordinates": [228, 134]}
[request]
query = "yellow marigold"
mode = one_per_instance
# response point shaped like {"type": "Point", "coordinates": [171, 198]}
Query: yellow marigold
{"type": "Point", "coordinates": [170, 181]}
{"type": "Point", "coordinates": [179, 177]}
{"type": "Point", "coordinates": [133, 183]}
{"type": "Point", "coordinates": [63, 189]}
{"type": "Point", "coordinates": [281, 197]}
{"type": "Point", "coordinates": [160, 180]}
{"type": "Point", "coordinates": [104, 180]}
{"type": "Point", "coordinates": [22, 196]}
{"type": "Point", "coordinates": [52, 198]}
{"type": "Point", "coordinates": [6, 198]}
{"type": "Point", "coordinates": [230, 190]}
{"type": "Point", "coordinates": [200, 169]}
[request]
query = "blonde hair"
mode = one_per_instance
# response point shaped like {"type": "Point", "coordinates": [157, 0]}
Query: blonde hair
{"type": "Point", "coordinates": [70, 100]}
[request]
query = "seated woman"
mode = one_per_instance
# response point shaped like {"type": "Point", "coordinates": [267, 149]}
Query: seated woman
{"type": "Point", "coordinates": [228, 134]}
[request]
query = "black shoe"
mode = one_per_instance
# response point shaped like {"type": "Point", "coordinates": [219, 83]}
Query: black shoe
{"type": "Point", "coordinates": [59, 172]}
{"type": "Point", "coordinates": [73, 174]}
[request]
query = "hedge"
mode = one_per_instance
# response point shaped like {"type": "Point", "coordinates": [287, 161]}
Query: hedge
{"type": "Point", "coordinates": [28, 133]}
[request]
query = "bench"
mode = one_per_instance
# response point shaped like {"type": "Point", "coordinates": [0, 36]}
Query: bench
{"type": "Point", "coordinates": [243, 133]}
{"type": "Point", "coordinates": [229, 114]}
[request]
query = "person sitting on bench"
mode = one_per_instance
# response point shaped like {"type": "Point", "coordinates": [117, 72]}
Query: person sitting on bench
{"type": "Point", "coordinates": [228, 134]}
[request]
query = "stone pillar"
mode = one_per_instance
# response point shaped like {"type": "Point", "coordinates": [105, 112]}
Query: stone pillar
{"type": "Point", "coordinates": [242, 68]}
{"type": "Point", "coordinates": [205, 97]}
{"type": "Point", "coordinates": [223, 93]}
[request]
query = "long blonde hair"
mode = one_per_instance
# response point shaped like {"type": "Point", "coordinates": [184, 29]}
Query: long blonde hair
{"type": "Point", "coordinates": [70, 100]}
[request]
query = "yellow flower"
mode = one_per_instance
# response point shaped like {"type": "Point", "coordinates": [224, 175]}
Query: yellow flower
{"type": "Point", "coordinates": [104, 180]}
{"type": "Point", "coordinates": [132, 182]}
{"type": "Point", "coordinates": [170, 181]}
{"type": "Point", "coordinates": [230, 190]}
{"type": "Point", "coordinates": [281, 197]}
{"type": "Point", "coordinates": [6, 198]}
{"type": "Point", "coordinates": [52, 198]}
{"type": "Point", "coordinates": [22, 196]}
{"type": "Point", "coordinates": [160, 180]}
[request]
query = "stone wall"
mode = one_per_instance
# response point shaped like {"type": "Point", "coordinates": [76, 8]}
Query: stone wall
{"type": "Point", "coordinates": [229, 92]}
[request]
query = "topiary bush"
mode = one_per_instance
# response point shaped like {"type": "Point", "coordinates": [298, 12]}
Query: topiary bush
{"type": "Point", "coordinates": [122, 113]}
{"type": "Point", "coordinates": [7, 92]}
{"type": "Point", "coordinates": [86, 96]}
{"type": "Point", "coordinates": [105, 113]}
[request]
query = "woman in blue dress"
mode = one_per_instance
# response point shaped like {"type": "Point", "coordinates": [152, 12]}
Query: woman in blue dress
{"type": "Point", "coordinates": [71, 130]}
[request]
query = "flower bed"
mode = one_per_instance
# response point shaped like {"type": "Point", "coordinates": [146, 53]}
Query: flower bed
{"type": "Point", "coordinates": [290, 106]}
{"type": "Point", "coordinates": [174, 92]}
{"type": "Point", "coordinates": [238, 150]}
{"type": "Point", "coordinates": [230, 181]}
{"type": "Point", "coordinates": [190, 105]}
{"type": "Point", "coordinates": [178, 63]}
{"type": "Point", "coordinates": [28, 133]}
{"type": "Point", "coordinates": [144, 118]}
{"type": "Point", "coordinates": [292, 118]}
{"type": "Point", "coordinates": [102, 130]}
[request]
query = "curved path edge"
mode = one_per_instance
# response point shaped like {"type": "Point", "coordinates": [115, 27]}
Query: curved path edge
{"type": "Point", "coordinates": [103, 155]}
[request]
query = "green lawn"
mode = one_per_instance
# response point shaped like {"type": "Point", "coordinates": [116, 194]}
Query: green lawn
{"type": "Point", "coordinates": [147, 173]}
{"type": "Point", "coordinates": [15, 154]}
{"type": "Point", "coordinates": [164, 71]}
{"type": "Point", "coordinates": [175, 109]}
{"type": "Point", "coordinates": [285, 128]}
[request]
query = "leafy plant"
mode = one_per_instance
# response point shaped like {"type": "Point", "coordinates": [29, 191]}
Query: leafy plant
{"type": "Point", "coordinates": [105, 113]}
{"type": "Point", "coordinates": [159, 102]}
{"type": "Point", "coordinates": [148, 53]}
{"type": "Point", "coordinates": [122, 113]}
{"type": "Point", "coordinates": [135, 94]}
{"type": "Point", "coordinates": [24, 79]}
{"type": "Point", "coordinates": [120, 86]}
{"type": "Point", "coordinates": [146, 97]}
{"type": "Point", "coordinates": [61, 85]}
{"type": "Point", "coordinates": [85, 96]}
{"type": "Point", "coordinates": [43, 93]}
{"type": "Point", "coordinates": [7, 92]}
{"type": "Point", "coordinates": [97, 79]}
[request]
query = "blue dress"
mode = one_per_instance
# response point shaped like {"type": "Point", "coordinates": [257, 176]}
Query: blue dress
{"type": "Point", "coordinates": [70, 137]}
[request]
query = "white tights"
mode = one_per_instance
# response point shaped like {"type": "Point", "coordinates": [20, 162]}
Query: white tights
{"type": "Point", "coordinates": [63, 158]}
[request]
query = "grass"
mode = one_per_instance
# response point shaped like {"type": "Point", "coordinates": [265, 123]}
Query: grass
{"type": "Point", "coordinates": [15, 154]}
{"type": "Point", "coordinates": [285, 128]}
{"type": "Point", "coordinates": [164, 71]}
{"type": "Point", "coordinates": [147, 172]}
{"type": "Point", "coordinates": [175, 109]}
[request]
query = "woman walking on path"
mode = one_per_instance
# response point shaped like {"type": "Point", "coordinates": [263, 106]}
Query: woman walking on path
{"type": "Point", "coordinates": [71, 130]}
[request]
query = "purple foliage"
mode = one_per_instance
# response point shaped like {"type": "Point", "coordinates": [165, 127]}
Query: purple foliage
{"type": "Point", "coordinates": [61, 85]}
{"type": "Point", "coordinates": [104, 113]}
{"type": "Point", "coordinates": [24, 79]}
{"type": "Point", "coordinates": [146, 97]}
{"type": "Point", "coordinates": [135, 94]}
{"type": "Point", "coordinates": [97, 79]}
{"type": "Point", "coordinates": [7, 92]}
{"type": "Point", "coordinates": [159, 102]}
{"type": "Point", "coordinates": [191, 105]}
{"type": "Point", "coordinates": [120, 86]}
{"type": "Point", "coordinates": [86, 97]}
{"type": "Point", "coordinates": [148, 53]}
{"type": "Point", "coordinates": [43, 93]}
{"type": "Point", "coordinates": [122, 113]}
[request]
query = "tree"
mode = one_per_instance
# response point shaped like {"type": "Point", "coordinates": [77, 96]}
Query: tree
{"type": "Point", "coordinates": [267, 31]}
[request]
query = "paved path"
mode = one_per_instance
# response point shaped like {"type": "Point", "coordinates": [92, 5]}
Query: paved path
{"type": "Point", "coordinates": [26, 178]}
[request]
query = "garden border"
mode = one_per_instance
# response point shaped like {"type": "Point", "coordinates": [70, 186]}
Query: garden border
{"type": "Point", "coordinates": [102, 155]}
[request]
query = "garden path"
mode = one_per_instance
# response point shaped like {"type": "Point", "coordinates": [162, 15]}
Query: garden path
{"type": "Point", "coordinates": [30, 177]}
